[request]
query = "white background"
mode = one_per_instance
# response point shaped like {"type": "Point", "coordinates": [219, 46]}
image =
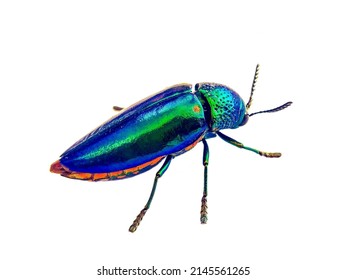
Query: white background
{"type": "Point", "coordinates": [64, 64]}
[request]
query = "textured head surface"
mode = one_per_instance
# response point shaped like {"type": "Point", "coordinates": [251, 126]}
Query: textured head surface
{"type": "Point", "coordinates": [226, 107]}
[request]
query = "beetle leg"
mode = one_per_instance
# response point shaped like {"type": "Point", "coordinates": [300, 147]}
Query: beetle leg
{"type": "Point", "coordinates": [116, 108]}
{"type": "Point", "coordinates": [205, 158]}
{"type": "Point", "coordinates": [160, 173]}
{"type": "Point", "coordinates": [240, 145]}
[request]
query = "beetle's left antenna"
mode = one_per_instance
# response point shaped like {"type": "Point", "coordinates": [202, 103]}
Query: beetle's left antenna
{"type": "Point", "coordinates": [249, 103]}
{"type": "Point", "coordinates": [279, 108]}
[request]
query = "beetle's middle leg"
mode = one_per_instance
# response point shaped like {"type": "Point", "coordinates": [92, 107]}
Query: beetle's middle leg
{"type": "Point", "coordinates": [205, 158]}
{"type": "Point", "coordinates": [160, 173]}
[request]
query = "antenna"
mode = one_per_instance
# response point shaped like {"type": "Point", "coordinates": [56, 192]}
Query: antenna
{"type": "Point", "coordinates": [279, 108]}
{"type": "Point", "coordinates": [249, 103]}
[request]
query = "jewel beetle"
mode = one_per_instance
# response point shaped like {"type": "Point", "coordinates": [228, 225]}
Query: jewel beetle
{"type": "Point", "coordinates": [159, 128]}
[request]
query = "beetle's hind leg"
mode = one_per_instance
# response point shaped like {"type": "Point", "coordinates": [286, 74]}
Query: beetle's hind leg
{"type": "Point", "coordinates": [160, 173]}
{"type": "Point", "coordinates": [205, 158]}
{"type": "Point", "coordinates": [117, 108]}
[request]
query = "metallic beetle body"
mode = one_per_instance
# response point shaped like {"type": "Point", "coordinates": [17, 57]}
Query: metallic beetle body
{"type": "Point", "coordinates": [170, 122]}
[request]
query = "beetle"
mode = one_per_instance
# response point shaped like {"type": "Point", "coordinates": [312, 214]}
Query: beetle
{"type": "Point", "coordinates": [160, 127]}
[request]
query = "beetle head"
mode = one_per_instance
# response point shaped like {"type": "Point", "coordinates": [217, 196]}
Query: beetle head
{"type": "Point", "coordinates": [224, 108]}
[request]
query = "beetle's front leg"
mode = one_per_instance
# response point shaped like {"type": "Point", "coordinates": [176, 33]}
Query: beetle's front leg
{"type": "Point", "coordinates": [160, 173]}
{"type": "Point", "coordinates": [205, 158]}
{"type": "Point", "coordinates": [240, 145]}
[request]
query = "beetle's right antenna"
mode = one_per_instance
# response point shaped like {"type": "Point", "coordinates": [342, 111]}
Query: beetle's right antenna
{"type": "Point", "coordinates": [249, 103]}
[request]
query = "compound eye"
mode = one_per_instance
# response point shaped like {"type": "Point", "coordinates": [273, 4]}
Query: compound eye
{"type": "Point", "coordinates": [245, 120]}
